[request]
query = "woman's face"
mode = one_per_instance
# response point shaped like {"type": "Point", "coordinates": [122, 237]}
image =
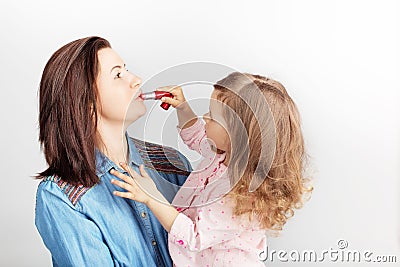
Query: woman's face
{"type": "Point", "coordinates": [118, 89]}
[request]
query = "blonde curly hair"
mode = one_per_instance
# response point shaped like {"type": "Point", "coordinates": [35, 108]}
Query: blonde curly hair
{"type": "Point", "coordinates": [267, 146]}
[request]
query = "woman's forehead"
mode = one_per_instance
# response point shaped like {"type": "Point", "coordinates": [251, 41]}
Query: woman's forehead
{"type": "Point", "coordinates": [108, 58]}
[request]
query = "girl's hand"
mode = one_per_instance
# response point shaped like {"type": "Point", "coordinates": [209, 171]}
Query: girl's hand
{"type": "Point", "coordinates": [179, 101]}
{"type": "Point", "coordinates": [186, 116]}
{"type": "Point", "coordinates": [140, 187]}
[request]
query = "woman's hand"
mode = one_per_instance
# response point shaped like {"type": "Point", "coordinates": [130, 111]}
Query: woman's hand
{"type": "Point", "coordinates": [139, 187]}
{"type": "Point", "coordinates": [179, 101]}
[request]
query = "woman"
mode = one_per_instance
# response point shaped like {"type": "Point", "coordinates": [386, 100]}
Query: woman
{"type": "Point", "coordinates": [87, 100]}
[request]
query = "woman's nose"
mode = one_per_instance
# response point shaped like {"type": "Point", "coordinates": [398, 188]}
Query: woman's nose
{"type": "Point", "coordinates": [135, 81]}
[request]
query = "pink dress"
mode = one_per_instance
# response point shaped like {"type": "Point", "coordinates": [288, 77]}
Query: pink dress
{"type": "Point", "coordinates": [206, 233]}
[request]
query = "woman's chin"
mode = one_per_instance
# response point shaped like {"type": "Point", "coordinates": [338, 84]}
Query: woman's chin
{"type": "Point", "coordinates": [135, 112]}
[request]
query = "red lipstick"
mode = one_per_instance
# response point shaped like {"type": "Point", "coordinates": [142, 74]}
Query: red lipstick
{"type": "Point", "coordinates": [155, 95]}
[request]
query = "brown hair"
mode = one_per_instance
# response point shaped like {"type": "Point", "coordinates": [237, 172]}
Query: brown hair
{"type": "Point", "coordinates": [68, 111]}
{"type": "Point", "coordinates": [265, 117]}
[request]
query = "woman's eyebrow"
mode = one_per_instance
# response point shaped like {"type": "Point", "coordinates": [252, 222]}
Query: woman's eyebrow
{"type": "Point", "coordinates": [118, 66]}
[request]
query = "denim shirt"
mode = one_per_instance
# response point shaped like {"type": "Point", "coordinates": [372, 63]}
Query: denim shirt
{"type": "Point", "coordinates": [91, 227]}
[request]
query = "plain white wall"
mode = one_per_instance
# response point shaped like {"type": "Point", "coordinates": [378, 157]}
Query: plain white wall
{"type": "Point", "coordinates": [339, 61]}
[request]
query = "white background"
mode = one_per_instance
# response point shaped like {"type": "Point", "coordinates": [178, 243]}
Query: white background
{"type": "Point", "coordinates": [339, 60]}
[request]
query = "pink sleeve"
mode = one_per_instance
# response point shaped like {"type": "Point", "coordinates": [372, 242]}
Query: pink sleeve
{"type": "Point", "coordinates": [195, 137]}
{"type": "Point", "coordinates": [214, 224]}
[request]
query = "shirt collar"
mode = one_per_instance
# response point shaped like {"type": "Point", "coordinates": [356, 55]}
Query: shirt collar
{"type": "Point", "coordinates": [104, 164]}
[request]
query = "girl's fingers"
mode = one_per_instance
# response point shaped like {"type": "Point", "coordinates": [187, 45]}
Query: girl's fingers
{"type": "Point", "coordinates": [126, 186]}
{"type": "Point", "coordinates": [164, 88]}
{"type": "Point", "coordinates": [171, 101]}
{"type": "Point", "coordinates": [131, 172]}
{"type": "Point", "coordinates": [124, 194]}
{"type": "Point", "coordinates": [175, 90]}
{"type": "Point", "coordinates": [168, 88]}
{"type": "Point", "coordinates": [143, 171]}
{"type": "Point", "coordinates": [122, 176]}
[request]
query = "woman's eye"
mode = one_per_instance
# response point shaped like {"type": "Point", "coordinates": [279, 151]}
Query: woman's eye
{"type": "Point", "coordinates": [119, 75]}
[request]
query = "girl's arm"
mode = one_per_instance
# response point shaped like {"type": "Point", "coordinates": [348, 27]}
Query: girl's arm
{"type": "Point", "coordinates": [143, 189]}
{"type": "Point", "coordinates": [192, 130]}
{"type": "Point", "coordinates": [186, 116]}
{"type": "Point", "coordinates": [215, 223]}
{"type": "Point", "coordinates": [166, 214]}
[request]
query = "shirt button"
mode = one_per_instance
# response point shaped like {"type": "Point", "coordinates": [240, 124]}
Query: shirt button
{"type": "Point", "coordinates": [143, 214]}
{"type": "Point", "coordinates": [153, 242]}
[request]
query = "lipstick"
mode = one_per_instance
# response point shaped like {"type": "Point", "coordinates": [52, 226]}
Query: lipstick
{"type": "Point", "coordinates": [156, 95]}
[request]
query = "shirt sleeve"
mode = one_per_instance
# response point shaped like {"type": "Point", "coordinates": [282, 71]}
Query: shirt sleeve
{"type": "Point", "coordinates": [72, 238]}
{"type": "Point", "coordinates": [195, 137]}
{"type": "Point", "coordinates": [214, 224]}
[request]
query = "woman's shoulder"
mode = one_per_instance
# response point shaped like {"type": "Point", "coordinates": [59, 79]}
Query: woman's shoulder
{"type": "Point", "coordinates": [162, 158]}
{"type": "Point", "coordinates": [54, 187]}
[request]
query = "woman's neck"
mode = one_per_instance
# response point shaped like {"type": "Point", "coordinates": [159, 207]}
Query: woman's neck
{"type": "Point", "coordinates": [115, 145]}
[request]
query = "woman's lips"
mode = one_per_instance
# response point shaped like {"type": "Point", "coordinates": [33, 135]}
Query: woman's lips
{"type": "Point", "coordinates": [139, 96]}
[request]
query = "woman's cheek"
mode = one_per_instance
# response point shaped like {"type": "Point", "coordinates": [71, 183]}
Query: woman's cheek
{"type": "Point", "coordinates": [113, 111]}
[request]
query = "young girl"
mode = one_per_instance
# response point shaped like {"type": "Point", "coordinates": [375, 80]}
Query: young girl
{"type": "Point", "coordinates": [250, 180]}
